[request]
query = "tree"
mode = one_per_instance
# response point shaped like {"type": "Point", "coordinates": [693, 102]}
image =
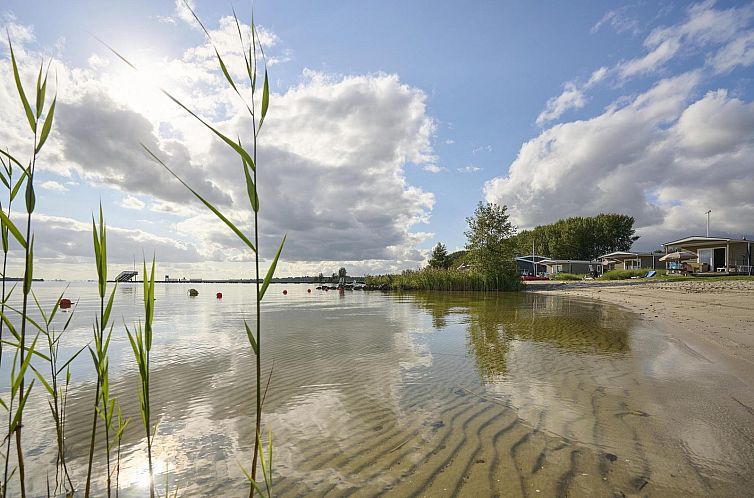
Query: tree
{"type": "Point", "coordinates": [488, 239]}
{"type": "Point", "coordinates": [342, 275]}
{"type": "Point", "coordinates": [439, 257]}
{"type": "Point", "coordinates": [583, 238]}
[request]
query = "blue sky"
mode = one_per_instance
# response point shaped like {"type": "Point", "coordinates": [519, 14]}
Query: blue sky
{"type": "Point", "coordinates": [390, 121]}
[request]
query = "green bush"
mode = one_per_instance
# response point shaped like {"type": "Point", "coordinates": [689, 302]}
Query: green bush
{"type": "Point", "coordinates": [566, 276]}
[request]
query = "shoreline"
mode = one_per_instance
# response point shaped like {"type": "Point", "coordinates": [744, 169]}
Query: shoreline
{"type": "Point", "coordinates": [713, 317]}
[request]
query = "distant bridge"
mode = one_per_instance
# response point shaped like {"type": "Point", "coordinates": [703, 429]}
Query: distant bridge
{"type": "Point", "coordinates": [126, 276]}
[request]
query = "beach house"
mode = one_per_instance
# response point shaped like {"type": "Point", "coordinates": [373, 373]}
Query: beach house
{"type": "Point", "coordinates": [579, 267]}
{"type": "Point", "coordinates": [529, 265]}
{"type": "Point", "coordinates": [621, 260]}
{"type": "Point", "coordinates": [716, 254]}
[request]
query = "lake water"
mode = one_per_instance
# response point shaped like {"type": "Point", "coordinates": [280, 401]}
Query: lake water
{"type": "Point", "coordinates": [407, 395]}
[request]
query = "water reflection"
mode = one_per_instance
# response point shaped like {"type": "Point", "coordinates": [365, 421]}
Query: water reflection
{"type": "Point", "coordinates": [496, 319]}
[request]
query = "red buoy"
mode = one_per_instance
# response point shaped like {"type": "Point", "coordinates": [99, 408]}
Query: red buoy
{"type": "Point", "coordinates": [219, 295]}
{"type": "Point", "coordinates": [309, 291]}
{"type": "Point", "coordinates": [285, 292]}
{"type": "Point", "coordinates": [65, 304]}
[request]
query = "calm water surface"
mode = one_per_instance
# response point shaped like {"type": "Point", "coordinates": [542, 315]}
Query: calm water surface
{"type": "Point", "coordinates": [409, 395]}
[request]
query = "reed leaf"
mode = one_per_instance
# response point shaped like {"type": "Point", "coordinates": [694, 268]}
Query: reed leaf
{"type": "Point", "coordinates": [252, 341]}
{"type": "Point", "coordinates": [40, 97]}
{"type": "Point", "coordinates": [17, 186]}
{"type": "Point", "coordinates": [47, 126]}
{"type": "Point", "coordinates": [29, 274]}
{"type": "Point", "coordinates": [31, 198]}
{"type": "Point", "coordinates": [20, 410]}
{"type": "Point", "coordinates": [209, 205]}
{"type": "Point", "coordinates": [20, 88]}
{"type": "Point", "coordinates": [265, 100]}
{"type": "Point", "coordinates": [271, 270]}
{"type": "Point", "coordinates": [12, 227]}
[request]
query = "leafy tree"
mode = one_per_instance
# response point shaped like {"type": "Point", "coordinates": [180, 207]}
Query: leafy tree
{"type": "Point", "coordinates": [488, 239]}
{"type": "Point", "coordinates": [342, 273]}
{"type": "Point", "coordinates": [458, 258]}
{"type": "Point", "coordinates": [439, 257]}
{"type": "Point", "coordinates": [582, 238]}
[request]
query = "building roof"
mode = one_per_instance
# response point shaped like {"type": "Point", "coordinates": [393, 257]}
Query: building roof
{"type": "Point", "coordinates": [619, 254]}
{"type": "Point", "coordinates": [529, 258]}
{"type": "Point", "coordinates": [698, 239]}
{"type": "Point", "coordinates": [566, 261]}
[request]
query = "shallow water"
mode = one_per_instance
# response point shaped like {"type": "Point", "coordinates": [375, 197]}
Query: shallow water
{"type": "Point", "coordinates": [408, 395]}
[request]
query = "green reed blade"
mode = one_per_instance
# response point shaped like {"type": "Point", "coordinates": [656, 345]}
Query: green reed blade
{"type": "Point", "coordinates": [239, 150]}
{"type": "Point", "coordinates": [16, 233]}
{"type": "Point", "coordinates": [252, 341]}
{"type": "Point", "coordinates": [20, 88]}
{"type": "Point", "coordinates": [4, 237]}
{"type": "Point", "coordinates": [11, 158]}
{"type": "Point", "coordinates": [40, 97]}
{"type": "Point", "coordinates": [271, 270]}
{"type": "Point", "coordinates": [31, 198]}
{"type": "Point", "coordinates": [65, 365]}
{"type": "Point", "coordinates": [2, 176]}
{"type": "Point", "coordinates": [225, 69]}
{"type": "Point", "coordinates": [24, 365]}
{"type": "Point", "coordinates": [29, 274]}
{"type": "Point", "coordinates": [18, 184]}
{"type": "Point", "coordinates": [109, 307]}
{"type": "Point", "coordinates": [47, 386]}
{"type": "Point", "coordinates": [56, 306]}
{"type": "Point", "coordinates": [265, 99]}
{"type": "Point", "coordinates": [20, 409]}
{"type": "Point", "coordinates": [40, 308]}
{"type": "Point", "coordinates": [240, 38]}
{"type": "Point", "coordinates": [47, 126]}
{"type": "Point", "coordinates": [251, 189]}
{"type": "Point", "coordinates": [17, 346]}
{"type": "Point", "coordinates": [205, 202]}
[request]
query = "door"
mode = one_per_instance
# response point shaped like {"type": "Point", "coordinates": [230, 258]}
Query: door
{"type": "Point", "coordinates": [719, 258]}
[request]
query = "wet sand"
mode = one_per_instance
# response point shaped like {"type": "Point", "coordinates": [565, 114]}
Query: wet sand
{"type": "Point", "coordinates": [713, 316]}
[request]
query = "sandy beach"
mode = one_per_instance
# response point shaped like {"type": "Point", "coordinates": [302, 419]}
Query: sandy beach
{"type": "Point", "coordinates": [714, 317]}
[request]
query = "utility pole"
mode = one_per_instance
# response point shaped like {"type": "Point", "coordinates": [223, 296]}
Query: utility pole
{"type": "Point", "coordinates": [707, 213]}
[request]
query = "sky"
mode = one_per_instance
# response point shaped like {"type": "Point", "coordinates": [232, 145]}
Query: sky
{"type": "Point", "coordinates": [388, 122]}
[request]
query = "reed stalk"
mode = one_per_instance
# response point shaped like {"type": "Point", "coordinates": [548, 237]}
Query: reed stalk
{"type": "Point", "coordinates": [40, 127]}
{"type": "Point", "coordinates": [56, 392]}
{"type": "Point", "coordinates": [141, 345]}
{"type": "Point", "coordinates": [100, 352]}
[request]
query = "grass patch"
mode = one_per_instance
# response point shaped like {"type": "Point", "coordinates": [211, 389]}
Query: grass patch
{"type": "Point", "coordinates": [625, 274]}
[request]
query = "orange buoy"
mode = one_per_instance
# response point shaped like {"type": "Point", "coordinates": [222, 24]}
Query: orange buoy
{"type": "Point", "coordinates": [285, 292]}
{"type": "Point", "coordinates": [219, 295]}
{"type": "Point", "coordinates": [65, 304]}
